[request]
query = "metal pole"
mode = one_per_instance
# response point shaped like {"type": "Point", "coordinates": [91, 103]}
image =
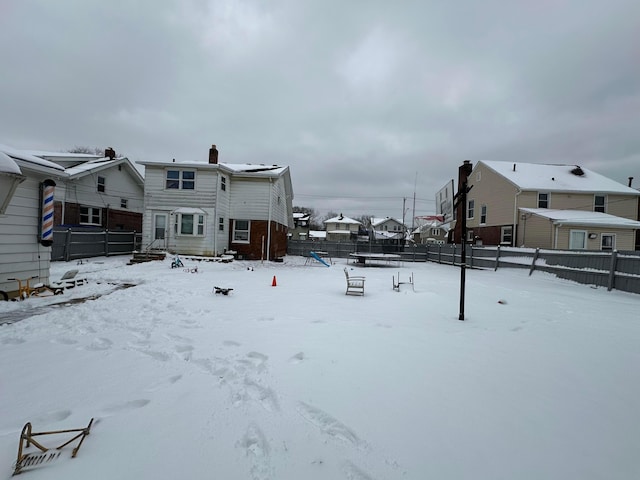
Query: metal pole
{"type": "Point", "coordinates": [463, 240]}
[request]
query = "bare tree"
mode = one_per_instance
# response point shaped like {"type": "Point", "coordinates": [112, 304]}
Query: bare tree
{"type": "Point", "coordinates": [87, 150]}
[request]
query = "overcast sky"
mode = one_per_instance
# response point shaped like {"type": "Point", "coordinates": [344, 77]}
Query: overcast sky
{"type": "Point", "coordinates": [369, 102]}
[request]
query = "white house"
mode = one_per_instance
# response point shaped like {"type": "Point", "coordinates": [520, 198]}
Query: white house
{"type": "Point", "coordinates": [206, 209]}
{"type": "Point", "coordinates": [387, 229]}
{"type": "Point", "coordinates": [341, 228]}
{"type": "Point", "coordinates": [105, 192]}
{"type": "Point", "coordinates": [27, 190]}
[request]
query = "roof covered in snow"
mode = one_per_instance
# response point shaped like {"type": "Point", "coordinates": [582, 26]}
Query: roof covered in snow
{"type": "Point", "coordinates": [7, 165]}
{"type": "Point", "coordinates": [564, 178]}
{"type": "Point", "coordinates": [239, 168]}
{"type": "Point", "coordinates": [342, 219]}
{"type": "Point", "coordinates": [29, 161]}
{"type": "Point", "coordinates": [583, 218]}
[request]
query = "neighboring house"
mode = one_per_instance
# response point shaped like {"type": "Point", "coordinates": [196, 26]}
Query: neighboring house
{"type": "Point", "coordinates": [27, 190]}
{"type": "Point", "coordinates": [104, 192]}
{"type": "Point", "coordinates": [301, 227]}
{"type": "Point", "coordinates": [549, 206]}
{"type": "Point", "coordinates": [387, 231]}
{"type": "Point", "coordinates": [317, 235]}
{"type": "Point", "coordinates": [342, 229]}
{"type": "Point", "coordinates": [430, 230]}
{"type": "Point", "coordinates": [207, 209]}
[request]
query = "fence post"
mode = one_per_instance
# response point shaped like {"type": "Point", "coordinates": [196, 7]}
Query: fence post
{"type": "Point", "coordinates": [453, 258]}
{"type": "Point", "coordinates": [106, 243]}
{"type": "Point", "coordinates": [439, 253]}
{"type": "Point", "coordinates": [612, 270]}
{"type": "Point", "coordinates": [533, 264]}
{"type": "Point", "coordinates": [67, 246]}
{"type": "Point", "coordinates": [497, 258]}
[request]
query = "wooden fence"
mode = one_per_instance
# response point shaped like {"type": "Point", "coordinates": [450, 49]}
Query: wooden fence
{"type": "Point", "coordinates": [613, 270]}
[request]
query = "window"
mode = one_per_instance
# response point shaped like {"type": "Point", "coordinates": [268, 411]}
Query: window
{"type": "Point", "coordinates": [435, 232]}
{"type": "Point", "coordinates": [90, 216]}
{"type": "Point", "coordinates": [470, 209]}
{"type": "Point", "coordinates": [189, 224]}
{"type": "Point", "coordinates": [600, 203]}
{"type": "Point", "coordinates": [543, 200]}
{"type": "Point", "coordinates": [181, 179]}
{"type": "Point", "coordinates": [577, 240]}
{"type": "Point", "coordinates": [483, 214]}
{"type": "Point", "coordinates": [478, 176]}
{"type": "Point", "coordinates": [221, 224]}
{"type": "Point", "coordinates": [469, 235]}
{"type": "Point", "coordinates": [608, 242]}
{"type": "Point", "coordinates": [101, 184]}
{"type": "Point", "coordinates": [124, 203]}
{"type": "Point", "coordinates": [506, 235]}
{"type": "Point", "coordinates": [241, 231]}
{"type": "Point", "coordinates": [223, 184]}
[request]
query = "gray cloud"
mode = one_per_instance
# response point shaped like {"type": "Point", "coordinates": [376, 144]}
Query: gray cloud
{"type": "Point", "coordinates": [370, 103]}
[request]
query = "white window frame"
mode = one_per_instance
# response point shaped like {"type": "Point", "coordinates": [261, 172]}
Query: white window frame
{"type": "Point", "coordinates": [547, 200]}
{"type": "Point", "coordinates": [197, 225]}
{"type": "Point", "coordinates": [573, 240]}
{"type": "Point", "coordinates": [506, 231]}
{"type": "Point", "coordinates": [470, 236]}
{"type": "Point", "coordinates": [613, 242]}
{"type": "Point", "coordinates": [223, 183]}
{"type": "Point", "coordinates": [483, 214]}
{"type": "Point", "coordinates": [221, 224]}
{"type": "Point", "coordinates": [603, 207]}
{"type": "Point", "coordinates": [239, 233]}
{"type": "Point", "coordinates": [471, 207]}
{"type": "Point", "coordinates": [124, 203]}
{"type": "Point", "coordinates": [101, 184]}
{"type": "Point", "coordinates": [181, 183]}
{"type": "Point", "coordinates": [92, 213]}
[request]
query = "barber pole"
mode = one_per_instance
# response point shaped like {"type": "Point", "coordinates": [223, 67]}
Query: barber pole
{"type": "Point", "coordinates": [46, 226]}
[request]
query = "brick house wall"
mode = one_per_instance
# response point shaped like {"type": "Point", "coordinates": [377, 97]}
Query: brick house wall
{"type": "Point", "coordinates": [253, 249]}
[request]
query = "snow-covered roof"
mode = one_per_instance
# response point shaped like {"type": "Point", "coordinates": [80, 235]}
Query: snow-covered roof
{"type": "Point", "coordinates": [342, 219]}
{"type": "Point", "coordinates": [188, 210]}
{"type": "Point", "coordinates": [378, 221]}
{"type": "Point", "coordinates": [7, 165]}
{"type": "Point", "coordinates": [317, 234]}
{"type": "Point", "coordinates": [583, 218]}
{"type": "Point", "coordinates": [92, 165]}
{"type": "Point", "coordinates": [300, 215]}
{"type": "Point", "coordinates": [28, 159]}
{"type": "Point", "coordinates": [239, 168]}
{"type": "Point", "coordinates": [534, 176]}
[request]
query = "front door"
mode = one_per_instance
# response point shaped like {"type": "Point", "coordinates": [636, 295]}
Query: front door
{"type": "Point", "coordinates": [160, 222]}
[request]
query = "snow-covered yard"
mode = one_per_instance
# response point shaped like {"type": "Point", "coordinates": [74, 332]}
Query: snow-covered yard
{"type": "Point", "coordinates": [299, 381]}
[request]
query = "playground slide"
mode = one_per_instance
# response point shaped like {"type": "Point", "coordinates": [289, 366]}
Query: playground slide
{"type": "Point", "coordinates": [318, 258]}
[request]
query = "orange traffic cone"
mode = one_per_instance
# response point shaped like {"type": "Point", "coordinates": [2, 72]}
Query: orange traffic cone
{"type": "Point", "coordinates": [273, 283]}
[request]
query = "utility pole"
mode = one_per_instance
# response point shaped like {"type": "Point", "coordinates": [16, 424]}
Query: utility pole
{"type": "Point", "coordinates": [460, 200]}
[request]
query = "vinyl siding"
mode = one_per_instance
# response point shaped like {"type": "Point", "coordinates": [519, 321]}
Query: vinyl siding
{"type": "Point", "coordinates": [494, 191]}
{"type": "Point", "coordinates": [21, 255]}
{"type": "Point", "coordinates": [625, 239]}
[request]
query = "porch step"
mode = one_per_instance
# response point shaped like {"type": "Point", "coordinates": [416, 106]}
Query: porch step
{"type": "Point", "coordinates": [141, 257]}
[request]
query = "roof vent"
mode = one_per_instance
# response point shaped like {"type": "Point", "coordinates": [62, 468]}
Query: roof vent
{"type": "Point", "coordinates": [577, 171]}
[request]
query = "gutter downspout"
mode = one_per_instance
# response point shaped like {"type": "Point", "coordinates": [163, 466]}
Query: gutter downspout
{"type": "Point", "coordinates": [215, 217]}
{"type": "Point", "coordinates": [555, 242]}
{"type": "Point", "coordinates": [269, 222]}
{"type": "Point", "coordinates": [514, 240]}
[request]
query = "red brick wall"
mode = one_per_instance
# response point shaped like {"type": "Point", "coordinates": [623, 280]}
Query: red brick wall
{"type": "Point", "coordinates": [258, 231]}
{"type": "Point", "coordinates": [117, 219]}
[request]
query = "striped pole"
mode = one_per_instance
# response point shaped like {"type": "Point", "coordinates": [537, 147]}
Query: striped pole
{"type": "Point", "coordinates": [46, 228]}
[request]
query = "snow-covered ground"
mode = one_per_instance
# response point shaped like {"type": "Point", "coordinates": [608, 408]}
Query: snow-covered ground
{"type": "Point", "coordinates": [299, 381]}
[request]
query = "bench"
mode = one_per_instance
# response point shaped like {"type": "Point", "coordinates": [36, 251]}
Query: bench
{"type": "Point", "coordinates": [355, 285]}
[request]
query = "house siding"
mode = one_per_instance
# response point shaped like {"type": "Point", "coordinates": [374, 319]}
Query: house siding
{"type": "Point", "coordinates": [21, 255]}
{"type": "Point", "coordinates": [258, 199]}
{"type": "Point", "coordinates": [493, 190]}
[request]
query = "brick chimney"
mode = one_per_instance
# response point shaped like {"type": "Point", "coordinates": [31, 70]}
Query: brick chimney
{"type": "Point", "coordinates": [110, 153]}
{"type": "Point", "coordinates": [213, 154]}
